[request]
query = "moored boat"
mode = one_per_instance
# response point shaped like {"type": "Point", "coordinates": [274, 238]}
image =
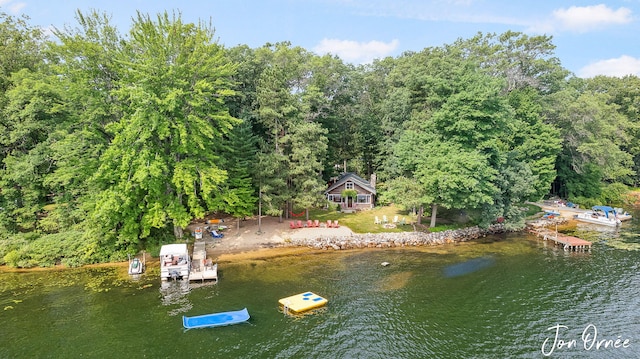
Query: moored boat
{"type": "Point", "coordinates": [623, 215]}
{"type": "Point", "coordinates": [174, 261]}
{"type": "Point", "coordinates": [603, 215]}
{"type": "Point", "coordinates": [551, 214]}
{"type": "Point", "coordinates": [216, 319]}
{"type": "Point", "coordinates": [136, 266]}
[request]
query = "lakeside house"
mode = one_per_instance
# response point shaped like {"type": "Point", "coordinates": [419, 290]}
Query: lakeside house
{"type": "Point", "coordinates": [365, 192]}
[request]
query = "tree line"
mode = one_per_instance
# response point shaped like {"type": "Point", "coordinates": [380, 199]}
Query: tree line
{"type": "Point", "coordinates": [115, 142]}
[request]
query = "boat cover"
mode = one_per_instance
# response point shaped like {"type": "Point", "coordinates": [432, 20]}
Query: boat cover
{"type": "Point", "coordinates": [216, 319]}
{"type": "Point", "coordinates": [605, 209]}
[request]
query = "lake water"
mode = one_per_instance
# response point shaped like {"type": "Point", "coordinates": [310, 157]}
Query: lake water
{"type": "Point", "coordinates": [502, 297]}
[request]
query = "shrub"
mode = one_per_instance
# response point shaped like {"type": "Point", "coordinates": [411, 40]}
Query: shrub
{"type": "Point", "coordinates": [585, 202]}
{"type": "Point", "coordinates": [614, 193]}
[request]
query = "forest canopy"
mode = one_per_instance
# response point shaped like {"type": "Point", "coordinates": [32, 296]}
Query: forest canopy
{"type": "Point", "coordinates": [113, 142]}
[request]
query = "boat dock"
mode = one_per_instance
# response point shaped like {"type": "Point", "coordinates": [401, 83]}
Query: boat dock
{"type": "Point", "coordinates": [202, 268]}
{"type": "Point", "coordinates": [568, 243]}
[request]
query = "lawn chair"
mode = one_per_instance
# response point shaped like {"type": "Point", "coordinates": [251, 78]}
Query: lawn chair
{"type": "Point", "coordinates": [402, 222]}
{"type": "Point", "coordinates": [395, 219]}
{"type": "Point", "coordinates": [309, 223]}
{"type": "Point", "coordinates": [384, 219]}
{"type": "Point", "coordinates": [299, 224]}
{"type": "Point", "coordinates": [377, 220]}
{"type": "Point", "coordinates": [316, 223]}
{"type": "Point", "coordinates": [215, 234]}
{"type": "Point", "coordinates": [335, 224]}
{"type": "Point", "coordinates": [292, 225]}
{"type": "Point", "coordinates": [329, 223]}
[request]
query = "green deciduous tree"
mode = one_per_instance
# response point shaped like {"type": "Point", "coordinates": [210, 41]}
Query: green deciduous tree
{"type": "Point", "coordinates": [84, 60]}
{"type": "Point", "coordinates": [461, 142]}
{"type": "Point", "coordinates": [594, 134]}
{"type": "Point", "coordinates": [24, 122]}
{"type": "Point", "coordinates": [162, 166]}
{"type": "Point", "coordinates": [21, 47]}
{"type": "Point", "coordinates": [624, 93]}
{"type": "Point", "coordinates": [34, 111]}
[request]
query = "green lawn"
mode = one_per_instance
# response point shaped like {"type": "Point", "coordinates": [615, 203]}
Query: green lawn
{"type": "Point", "coordinates": [364, 221]}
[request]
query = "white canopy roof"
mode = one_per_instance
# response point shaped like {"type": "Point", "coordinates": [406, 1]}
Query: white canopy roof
{"type": "Point", "coordinates": [175, 249]}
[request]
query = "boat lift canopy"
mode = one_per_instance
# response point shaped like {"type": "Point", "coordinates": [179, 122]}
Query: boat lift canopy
{"type": "Point", "coordinates": [176, 248]}
{"type": "Point", "coordinates": [605, 209]}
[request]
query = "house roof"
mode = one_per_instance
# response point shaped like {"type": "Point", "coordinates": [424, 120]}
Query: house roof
{"type": "Point", "coordinates": [350, 176]}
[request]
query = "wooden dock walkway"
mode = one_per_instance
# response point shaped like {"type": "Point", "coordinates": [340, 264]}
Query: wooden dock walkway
{"type": "Point", "coordinates": [541, 226]}
{"type": "Point", "coordinates": [202, 268]}
{"type": "Point", "coordinates": [568, 243]}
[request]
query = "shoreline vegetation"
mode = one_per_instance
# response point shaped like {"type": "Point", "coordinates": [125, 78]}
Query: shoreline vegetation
{"type": "Point", "coordinates": [281, 243]}
{"type": "Point", "coordinates": [113, 143]}
{"type": "Point", "coordinates": [274, 239]}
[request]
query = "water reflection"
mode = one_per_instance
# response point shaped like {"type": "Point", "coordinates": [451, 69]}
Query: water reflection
{"type": "Point", "coordinates": [174, 293]}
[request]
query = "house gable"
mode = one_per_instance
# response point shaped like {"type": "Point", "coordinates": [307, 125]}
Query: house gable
{"type": "Point", "coordinates": [359, 184]}
{"type": "Point", "coordinates": [366, 192]}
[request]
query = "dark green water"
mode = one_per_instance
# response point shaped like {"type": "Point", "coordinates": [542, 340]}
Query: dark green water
{"type": "Point", "coordinates": [417, 307]}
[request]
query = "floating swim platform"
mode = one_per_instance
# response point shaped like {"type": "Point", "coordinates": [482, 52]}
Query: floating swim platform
{"type": "Point", "coordinates": [216, 319]}
{"type": "Point", "coordinates": [302, 302]}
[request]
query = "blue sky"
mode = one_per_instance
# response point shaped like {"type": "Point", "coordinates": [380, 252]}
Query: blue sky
{"type": "Point", "coordinates": [592, 37]}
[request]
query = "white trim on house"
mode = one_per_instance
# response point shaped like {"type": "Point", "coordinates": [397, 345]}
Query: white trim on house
{"type": "Point", "coordinates": [366, 192]}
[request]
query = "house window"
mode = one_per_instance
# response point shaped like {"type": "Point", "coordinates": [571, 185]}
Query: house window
{"type": "Point", "coordinates": [364, 198]}
{"type": "Point", "coordinates": [333, 198]}
{"type": "Point", "coordinates": [348, 185]}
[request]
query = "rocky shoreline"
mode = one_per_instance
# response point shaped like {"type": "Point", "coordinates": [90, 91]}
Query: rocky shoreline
{"type": "Point", "coordinates": [390, 240]}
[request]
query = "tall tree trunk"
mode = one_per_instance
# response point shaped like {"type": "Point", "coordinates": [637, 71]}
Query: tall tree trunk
{"type": "Point", "coordinates": [434, 211]}
{"type": "Point", "coordinates": [259, 214]}
{"type": "Point", "coordinates": [420, 211]}
{"type": "Point", "coordinates": [178, 231]}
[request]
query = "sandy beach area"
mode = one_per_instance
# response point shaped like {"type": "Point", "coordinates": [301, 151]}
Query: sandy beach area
{"type": "Point", "coordinates": [259, 240]}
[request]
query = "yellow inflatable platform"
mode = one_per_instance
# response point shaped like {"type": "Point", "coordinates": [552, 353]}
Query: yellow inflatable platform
{"type": "Point", "coordinates": [302, 302]}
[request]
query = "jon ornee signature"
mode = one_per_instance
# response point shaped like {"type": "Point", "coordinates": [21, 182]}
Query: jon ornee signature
{"type": "Point", "coordinates": [590, 340]}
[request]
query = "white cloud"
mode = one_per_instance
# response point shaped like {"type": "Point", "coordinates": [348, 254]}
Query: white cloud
{"type": "Point", "coordinates": [16, 7]}
{"type": "Point", "coordinates": [622, 66]}
{"type": "Point", "coordinates": [13, 7]}
{"type": "Point", "coordinates": [586, 18]}
{"type": "Point", "coordinates": [356, 52]}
